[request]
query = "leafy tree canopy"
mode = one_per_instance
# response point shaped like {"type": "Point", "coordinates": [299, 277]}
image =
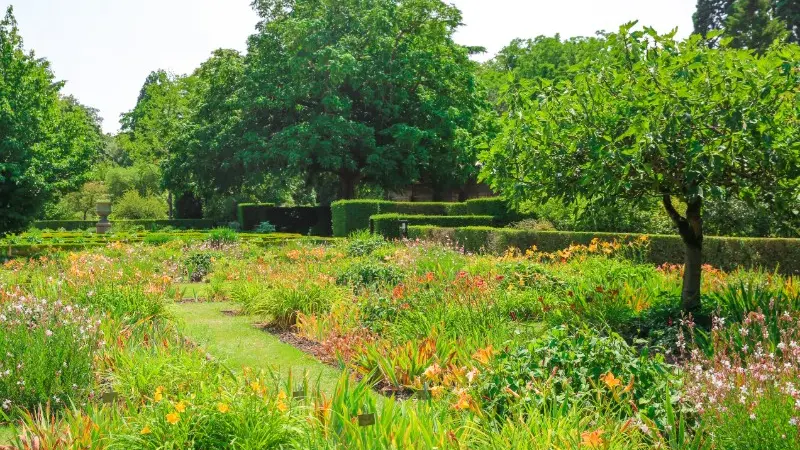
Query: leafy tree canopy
{"type": "Point", "coordinates": [47, 142]}
{"type": "Point", "coordinates": [369, 91]}
{"type": "Point", "coordinates": [654, 117]}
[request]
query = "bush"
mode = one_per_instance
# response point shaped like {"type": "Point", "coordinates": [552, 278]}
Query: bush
{"type": "Point", "coordinates": [197, 266]}
{"type": "Point", "coordinates": [369, 274]}
{"type": "Point", "coordinates": [222, 236]}
{"type": "Point", "coordinates": [363, 243]}
{"type": "Point", "coordinates": [353, 215]}
{"type": "Point", "coordinates": [150, 225]}
{"type": "Point", "coordinates": [265, 228]}
{"type": "Point", "coordinates": [50, 346]}
{"type": "Point", "coordinates": [492, 206]}
{"type": "Point", "coordinates": [727, 253]}
{"type": "Point", "coordinates": [282, 304]}
{"type": "Point", "coordinates": [565, 365]}
{"type": "Point", "coordinates": [388, 225]}
{"type": "Point", "coordinates": [298, 219]}
{"type": "Point", "coordinates": [133, 206]}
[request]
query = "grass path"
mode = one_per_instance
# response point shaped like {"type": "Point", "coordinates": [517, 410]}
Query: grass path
{"type": "Point", "coordinates": [237, 343]}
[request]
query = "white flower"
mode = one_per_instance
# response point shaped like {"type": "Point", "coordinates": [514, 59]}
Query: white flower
{"type": "Point", "coordinates": [793, 421]}
{"type": "Point", "coordinates": [7, 404]}
{"type": "Point", "coordinates": [48, 333]}
{"type": "Point", "coordinates": [752, 417]}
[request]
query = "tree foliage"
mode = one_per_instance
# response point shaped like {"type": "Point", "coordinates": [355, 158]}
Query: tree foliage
{"type": "Point", "coordinates": [365, 91]}
{"type": "Point", "coordinates": [47, 142]}
{"type": "Point", "coordinates": [652, 117]}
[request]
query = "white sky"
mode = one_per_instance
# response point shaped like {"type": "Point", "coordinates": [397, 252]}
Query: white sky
{"type": "Point", "coordinates": [106, 48]}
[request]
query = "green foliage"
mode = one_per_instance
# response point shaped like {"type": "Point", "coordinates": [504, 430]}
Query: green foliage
{"type": "Point", "coordinates": [48, 350]}
{"type": "Point", "coordinates": [197, 266]}
{"type": "Point", "coordinates": [411, 123]}
{"type": "Point", "coordinates": [566, 365]}
{"type": "Point", "coordinates": [722, 252]}
{"type": "Point", "coordinates": [667, 79]}
{"type": "Point", "coordinates": [363, 243]}
{"type": "Point", "coordinates": [353, 215]}
{"type": "Point", "coordinates": [222, 236]}
{"type": "Point", "coordinates": [142, 178]}
{"type": "Point", "coordinates": [388, 225]}
{"type": "Point", "coordinates": [132, 206]}
{"type": "Point", "coordinates": [149, 225]}
{"type": "Point", "coordinates": [297, 219]}
{"type": "Point", "coordinates": [752, 24]}
{"type": "Point", "coordinates": [368, 273]}
{"type": "Point", "coordinates": [265, 228]}
{"type": "Point", "coordinates": [47, 142]}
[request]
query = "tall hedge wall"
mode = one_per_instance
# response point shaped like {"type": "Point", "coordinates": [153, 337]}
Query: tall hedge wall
{"type": "Point", "coordinates": [315, 220]}
{"type": "Point", "coordinates": [353, 215]}
{"type": "Point", "coordinates": [180, 224]}
{"type": "Point", "coordinates": [388, 225]}
{"type": "Point", "coordinates": [723, 252]}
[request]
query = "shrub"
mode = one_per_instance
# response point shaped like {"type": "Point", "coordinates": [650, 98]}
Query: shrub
{"type": "Point", "coordinates": [369, 274]}
{"type": "Point", "coordinates": [726, 253]}
{"type": "Point", "coordinates": [363, 243]}
{"type": "Point", "coordinates": [197, 266]}
{"type": "Point", "coordinates": [353, 215]}
{"type": "Point", "coordinates": [388, 225]}
{"type": "Point", "coordinates": [133, 206]}
{"type": "Point", "coordinates": [298, 219]}
{"type": "Point", "coordinates": [566, 366]}
{"type": "Point", "coordinates": [492, 206]}
{"type": "Point", "coordinates": [534, 225]}
{"type": "Point", "coordinates": [265, 228]}
{"type": "Point", "coordinates": [47, 351]}
{"type": "Point", "coordinates": [222, 236]}
{"type": "Point", "coordinates": [282, 304]}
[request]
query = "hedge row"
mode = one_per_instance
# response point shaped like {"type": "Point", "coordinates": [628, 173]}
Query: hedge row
{"type": "Point", "coordinates": [353, 215]}
{"type": "Point", "coordinates": [314, 220]}
{"type": "Point", "coordinates": [180, 224]}
{"type": "Point", "coordinates": [388, 225]}
{"type": "Point", "coordinates": [726, 253]}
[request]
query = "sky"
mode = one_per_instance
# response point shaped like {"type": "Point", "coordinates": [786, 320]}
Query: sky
{"type": "Point", "coordinates": [105, 49]}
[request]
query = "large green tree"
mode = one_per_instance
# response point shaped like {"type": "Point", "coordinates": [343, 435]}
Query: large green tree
{"type": "Point", "coordinates": [366, 91]}
{"type": "Point", "coordinates": [754, 24]}
{"type": "Point", "coordinates": [652, 117]}
{"type": "Point", "coordinates": [47, 142]}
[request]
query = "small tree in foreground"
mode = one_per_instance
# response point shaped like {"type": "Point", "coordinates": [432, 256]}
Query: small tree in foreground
{"type": "Point", "coordinates": [654, 117]}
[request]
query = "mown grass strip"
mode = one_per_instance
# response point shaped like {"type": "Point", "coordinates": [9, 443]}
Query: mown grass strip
{"type": "Point", "coordinates": [237, 343]}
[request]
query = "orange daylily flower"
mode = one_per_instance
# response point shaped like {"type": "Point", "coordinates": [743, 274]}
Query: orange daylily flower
{"type": "Point", "coordinates": [610, 380]}
{"type": "Point", "coordinates": [146, 430]}
{"type": "Point", "coordinates": [180, 406]}
{"type": "Point", "coordinates": [484, 355]}
{"type": "Point", "coordinates": [223, 408]}
{"type": "Point", "coordinates": [592, 439]}
{"type": "Point", "coordinates": [173, 418]}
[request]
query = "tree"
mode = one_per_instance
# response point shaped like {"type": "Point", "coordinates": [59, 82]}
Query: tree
{"type": "Point", "coordinates": [789, 12]}
{"type": "Point", "coordinates": [47, 143]}
{"type": "Point", "coordinates": [653, 117]}
{"type": "Point", "coordinates": [85, 200]}
{"type": "Point", "coordinates": [753, 24]}
{"type": "Point", "coordinates": [710, 15]}
{"type": "Point", "coordinates": [369, 91]}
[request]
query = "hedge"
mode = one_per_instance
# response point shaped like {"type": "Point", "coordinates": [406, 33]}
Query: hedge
{"type": "Point", "coordinates": [388, 225]}
{"type": "Point", "coordinates": [353, 215]}
{"type": "Point", "coordinates": [726, 253]}
{"type": "Point", "coordinates": [315, 220]}
{"type": "Point", "coordinates": [180, 224]}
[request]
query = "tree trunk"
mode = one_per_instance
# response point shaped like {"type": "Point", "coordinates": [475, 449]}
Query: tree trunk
{"type": "Point", "coordinates": [347, 185]}
{"type": "Point", "coordinates": [690, 229]}
{"type": "Point", "coordinates": [169, 201]}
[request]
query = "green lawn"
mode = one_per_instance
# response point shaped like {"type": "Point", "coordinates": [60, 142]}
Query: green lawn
{"type": "Point", "coordinates": [237, 343]}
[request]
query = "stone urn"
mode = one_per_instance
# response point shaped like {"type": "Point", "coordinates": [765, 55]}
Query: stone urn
{"type": "Point", "coordinates": [103, 210]}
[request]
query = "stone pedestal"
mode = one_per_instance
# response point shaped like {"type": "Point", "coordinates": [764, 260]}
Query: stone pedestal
{"type": "Point", "coordinates": [103, 210]}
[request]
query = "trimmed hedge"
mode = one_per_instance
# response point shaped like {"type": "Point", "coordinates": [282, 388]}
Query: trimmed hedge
{"type": "Point", "coordinates": [726, 253]}
{"type": "Point", "coordinates": [388, 225]}
{"type": "Point", "coordinates": [315, 220]}
{"type": "Point", "coordinates": [353, 215]}
{"type": "Point", "coordinates": [179, 224]}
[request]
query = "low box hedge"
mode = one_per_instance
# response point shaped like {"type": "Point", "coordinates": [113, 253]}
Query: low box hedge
{"type": "Point", "coordinates": [353, 215]}
{"type": "Point", "coordinates": [314, 220]}
{"type": "Point", "coordinates": [726, 253]}
{"type": "Point", "coordinates": [388, 225]}
{"type": "Point", "coordinates": [180, 224]}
